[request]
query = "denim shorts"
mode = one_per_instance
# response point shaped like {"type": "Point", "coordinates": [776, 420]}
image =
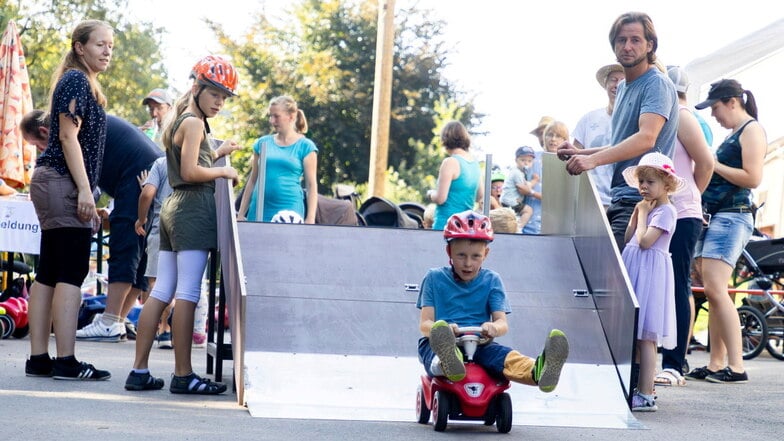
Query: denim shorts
{"type": "Point", "coordinates": [725, 237]}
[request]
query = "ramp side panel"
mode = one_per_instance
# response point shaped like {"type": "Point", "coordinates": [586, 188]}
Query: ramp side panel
{"type": "Point", "coordinates": [384, 389]}
{"type": "Point", "coordinates": [315, 261]}
{"type": "Point", "coordinates": [392, 329]}
{"type": "Point", "coordinates": [359, 305]}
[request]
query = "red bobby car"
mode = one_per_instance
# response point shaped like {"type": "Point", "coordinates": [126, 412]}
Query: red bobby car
{"type": "Point", "coordinates": [477, 397]}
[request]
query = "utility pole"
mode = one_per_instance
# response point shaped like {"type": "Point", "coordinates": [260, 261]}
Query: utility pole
{"type": "Point", "coordinates": [382, 98]}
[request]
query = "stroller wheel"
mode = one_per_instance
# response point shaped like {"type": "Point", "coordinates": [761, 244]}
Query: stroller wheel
{"type": "Point", "coordinates": [776, 345]}
{"type": "Point", "coordinates": [754, 331]}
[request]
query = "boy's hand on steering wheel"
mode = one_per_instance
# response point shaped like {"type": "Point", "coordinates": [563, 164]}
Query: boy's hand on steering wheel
{"type": "Point", "coordinates": [489, 330]}
{"type": "Point", "coordinates": [454, 328]}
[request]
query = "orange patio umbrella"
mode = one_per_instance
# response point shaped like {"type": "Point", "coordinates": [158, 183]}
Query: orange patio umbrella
{"type": "Point", "coordinates": [17, 157]}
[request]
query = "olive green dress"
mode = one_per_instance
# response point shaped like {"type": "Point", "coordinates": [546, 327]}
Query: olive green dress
{"type": "Point", "coordinates": [188, 219]}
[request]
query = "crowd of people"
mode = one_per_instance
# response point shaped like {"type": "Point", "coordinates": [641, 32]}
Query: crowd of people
{"type": "Point", "coordinates": [83, 152]}
{"type": "Point", "coordinates": [671, 203]}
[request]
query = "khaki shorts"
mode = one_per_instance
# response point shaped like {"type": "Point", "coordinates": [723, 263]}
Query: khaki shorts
{"type": "Point", "coordinates": [55, 199]}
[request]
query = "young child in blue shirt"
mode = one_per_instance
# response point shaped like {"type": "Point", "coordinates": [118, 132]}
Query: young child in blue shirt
{"type": "Point", "coordinates": [465, 294]}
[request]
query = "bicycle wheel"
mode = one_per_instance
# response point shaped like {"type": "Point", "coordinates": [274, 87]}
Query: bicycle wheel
{"type": "Point", "coordinates": [754, 331]}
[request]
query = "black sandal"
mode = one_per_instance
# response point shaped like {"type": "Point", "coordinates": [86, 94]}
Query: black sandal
{"type": "Point", "coordinates": [203, 386]}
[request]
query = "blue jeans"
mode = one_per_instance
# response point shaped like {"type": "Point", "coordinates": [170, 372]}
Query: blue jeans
{"type": "Point", "coordinates": [490, 356]}
{"type": "Point", "coordinates": [687, 231]}
{"type": "Point", "coordinates": [726, 237]}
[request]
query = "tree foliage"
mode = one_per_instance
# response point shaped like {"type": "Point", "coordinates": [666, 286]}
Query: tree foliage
{"type": "Point", "coordinates": [45, 29]}
{"type": "Point", "coordinates": [324, 57]}
{"type": "Point", "coordinates": [322, 54]}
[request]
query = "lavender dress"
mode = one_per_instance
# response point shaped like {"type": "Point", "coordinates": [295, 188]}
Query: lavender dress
{"type": "Point", "coordinates": [650, 272]}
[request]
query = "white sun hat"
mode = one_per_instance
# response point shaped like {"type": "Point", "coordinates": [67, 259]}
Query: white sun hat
{"type": "Point", "coordinates": [655, 160]}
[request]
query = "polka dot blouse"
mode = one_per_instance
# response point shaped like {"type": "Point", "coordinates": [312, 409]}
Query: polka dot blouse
{"type": "Point", "coordinates": [74, 86]}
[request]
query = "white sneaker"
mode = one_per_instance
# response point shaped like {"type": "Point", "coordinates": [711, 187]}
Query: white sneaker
{"type": "Point", "coordinates": [97, 331]}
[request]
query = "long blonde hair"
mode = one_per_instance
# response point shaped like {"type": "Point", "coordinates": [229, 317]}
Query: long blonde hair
{"type": "Point", "coordinates": [71, 60]}
{"type": "Point", "coordinates": [290, 106]}
{"type": "Point", "coordinates": [168, 124]}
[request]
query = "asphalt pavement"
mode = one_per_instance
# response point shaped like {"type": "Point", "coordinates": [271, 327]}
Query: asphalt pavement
{"type": "Point", "coordinates": [43, 408]}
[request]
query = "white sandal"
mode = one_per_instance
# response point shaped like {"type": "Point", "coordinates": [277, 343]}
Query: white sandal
{"type": "Point", "coordinates": [669, 377]}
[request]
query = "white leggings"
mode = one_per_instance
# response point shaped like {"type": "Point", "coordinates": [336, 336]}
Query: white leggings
{"type": "Point", "coordinates": [179, 275]}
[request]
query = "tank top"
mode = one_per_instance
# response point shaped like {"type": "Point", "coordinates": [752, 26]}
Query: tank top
{"type": "Point", "coordinates": [174, 160]}
{"type": "Point", "coordinates": [688, 201]}
{"type": "Point", "coordinates": [462, 192]}
{"type": "Point", "coordinates": [729, 153]}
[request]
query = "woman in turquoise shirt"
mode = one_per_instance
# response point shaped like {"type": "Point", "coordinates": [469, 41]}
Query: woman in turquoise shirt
{"type": "Point", "coordinates": [459, 179]}
{"type": "Point", "coordinates": [290, 156]}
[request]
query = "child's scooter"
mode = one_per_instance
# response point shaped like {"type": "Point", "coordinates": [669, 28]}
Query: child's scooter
{"type": "Point", "coordinates": [477, 397]}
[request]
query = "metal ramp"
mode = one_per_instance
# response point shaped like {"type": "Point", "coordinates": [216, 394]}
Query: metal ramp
{"type": "Point", "coordinates": [331, 326]}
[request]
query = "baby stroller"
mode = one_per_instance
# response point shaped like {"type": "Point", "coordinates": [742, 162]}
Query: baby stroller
{"type": "Point", "coordinates": [762, 312]}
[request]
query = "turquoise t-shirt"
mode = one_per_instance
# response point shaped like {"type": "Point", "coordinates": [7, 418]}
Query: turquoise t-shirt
{"type": "Point", "coordinates": [282, 183]}
{"type": "Point", "coordinates": [464, 303]}
{"type": "Point", "coordinates": [462, 193]}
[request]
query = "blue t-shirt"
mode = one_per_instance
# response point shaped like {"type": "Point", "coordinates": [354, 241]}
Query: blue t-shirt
{"type": "Point", "coordinates": [158, 178]}
{"type": "Point", "coordinates": [462, 193]}
{"type": "Point", "coordinates": [128, 151]}
{"type": "Point", "coordinates": [74, 86]}
{"type": "Point", "coordinates": [282, 183]}
{"type": "Point", "coordinates": [464, 303]}
{"type": "Point", "coordinates": [706, 130]}
{"type": "Point", "coordinates": [653, 92]}
{"type": "Point", "coordinates": [534, 225]}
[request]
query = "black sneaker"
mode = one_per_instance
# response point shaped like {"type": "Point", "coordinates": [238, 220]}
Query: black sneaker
{"type": "Point", "coordinates": [39, 368]}
{"type": "Point", "coordinates": [699, 373]}
{"type": "Point", "coordinates": [194, 384]}
{"type": "Point", "coordinates": [130, 330]}
{"type": "Point", "coordinates": [726, 375]}
{"type": "Point", "coordinates": [143, 381]}
{"type": "Point", "coordinates": [79, 371]}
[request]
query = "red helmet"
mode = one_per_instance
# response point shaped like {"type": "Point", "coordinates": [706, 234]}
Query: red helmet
{"type": "Point", "coordinates": [215, 71]}
{"type": "Point", "coordinates": [468, 225]}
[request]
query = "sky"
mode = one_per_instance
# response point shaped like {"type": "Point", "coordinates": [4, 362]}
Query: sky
{"type": "Point", "coordinates": [521, 60]}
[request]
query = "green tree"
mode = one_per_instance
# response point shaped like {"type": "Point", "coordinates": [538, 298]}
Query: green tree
{"type": "Point", "coordinates": [324, 57]}
{"type": "Point", "coordinates": [136, 67]}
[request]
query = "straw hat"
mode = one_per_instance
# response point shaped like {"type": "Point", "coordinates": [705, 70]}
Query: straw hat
{"type": "Point", "coordinates": [543, 122]}
{"type": "Point", "coordinates": [605, 71]}
{"type": "Point", "coordinates": [655, 160]}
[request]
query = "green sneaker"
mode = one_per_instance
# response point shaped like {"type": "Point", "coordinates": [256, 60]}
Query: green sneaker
{"type": "Point", "coordinates": [548, 365]}
{"type": "Point", "coordinates": [442, 341]}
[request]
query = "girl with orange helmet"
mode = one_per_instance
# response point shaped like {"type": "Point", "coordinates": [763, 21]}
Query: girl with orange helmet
{"type": "Point", "coordinates": [187, 225]}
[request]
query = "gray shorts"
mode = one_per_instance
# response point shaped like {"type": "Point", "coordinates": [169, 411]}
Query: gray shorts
{"type": "Point", "coordinates": [56, 200]}
{"type": "Point", "coordinates": [153, 246]}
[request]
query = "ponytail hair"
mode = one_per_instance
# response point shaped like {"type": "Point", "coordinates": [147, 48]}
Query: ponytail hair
{"type": "Point", "coordinates": [290, 106]}
{"type": "Point", "coordinates": [168, 124]}
{"type": "Point", "coordinates": [750, 104]}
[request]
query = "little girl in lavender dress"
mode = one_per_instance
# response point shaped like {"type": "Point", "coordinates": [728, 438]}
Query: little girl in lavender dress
{"type": "Point", "coordinates": [647, 259]}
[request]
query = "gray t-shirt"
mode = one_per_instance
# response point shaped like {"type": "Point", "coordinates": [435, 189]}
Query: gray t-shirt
{"type": "Point", "coordinates": [653, 92]}
{"type": "Point", "coordinates": [159, 179]}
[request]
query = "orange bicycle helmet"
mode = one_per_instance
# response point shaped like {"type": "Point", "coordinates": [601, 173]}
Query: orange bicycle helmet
{"type": "Point", "coordinates": [215, 71]}
{"type": "Point", "coordinates": [468, 225]}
